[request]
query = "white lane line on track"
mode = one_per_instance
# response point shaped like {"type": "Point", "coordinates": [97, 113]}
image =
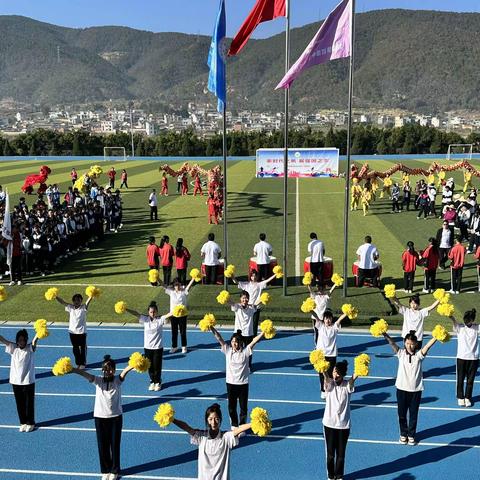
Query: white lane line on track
{"type": "Point", "coordinates": [260, 400]}
{"type": "Point", "coordinates": [283, 437]}
{"type": "Point", "coordinates": [281, 374]}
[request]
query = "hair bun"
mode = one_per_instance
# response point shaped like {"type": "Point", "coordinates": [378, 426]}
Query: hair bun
{"type": "Point", "coordinates": [106, 358]}
{"type": "Point", "coordinates": [412, 332]}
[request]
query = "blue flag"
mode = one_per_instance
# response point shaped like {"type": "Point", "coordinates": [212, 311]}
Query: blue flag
{"type": "Point", "coordinates": [216, 59]}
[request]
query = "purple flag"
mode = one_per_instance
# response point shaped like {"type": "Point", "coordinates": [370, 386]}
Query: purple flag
{"type": "Point", "coordinates": [332, 41]}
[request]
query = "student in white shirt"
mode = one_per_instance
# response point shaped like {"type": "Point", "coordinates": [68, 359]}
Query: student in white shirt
{"type": "Point", "coordinates": [108, 415]}
{"type": "Point", "coordinates": [152, 202]}
{"type": "Point", "coordinates": [316, 250]}
{"type": "Point", "coordinates": [22, 377]}
{"type": "Point", "coordinates": [367, 255]}
{"type": "Point", "coordinates": [237, 356]}
{"type": "Point", "coordinates": [409, 383]}
{"type": "Point", "coordinates": [262, 250]}
{"type": "Point", "coordinates": [254, 288]}
{"type": "Point", "coordinates": [336, 418]}
{"type": "Point", "coordinates": [213, 445]}
{"type": "Point", "coordinates": [467, 356]}
{"type": "Point", "coordinates": [322, 300]}
{"type": "Point", "coordinates": [414, 316]}
{"type": "Point", "coordinates": [77, 326]}
{"type": "Point", "coordinates": [210, 253]}
{"type": "Point", "coordinates": [178, 296]}
{"type": "Point", "coordinates": [327, 330]}
{"type": "Point", "coordinates": [153, 342]}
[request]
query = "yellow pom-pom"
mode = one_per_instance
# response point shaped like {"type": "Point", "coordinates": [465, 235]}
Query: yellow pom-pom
{"type": "Point", "coordinates": [439, 293]}
{"type": "Point", "coordinates": [3, 293]}
{"type": "Point", "coordinates": [389, 290]}
{"type": "Point", "coordinates": [229, 271]}
{"type": "Point", "coordinates": [321, 366]}
{"type": "Point", "coordinates": [41, 329]}
{"type": "Point", "coordinates": [278, 271]}
{"type": "Point", "coordinates": [138, 362]}
{"type": "Point", "coordinates": [317, 359]}
{"type": "Point", "coordinates": [120, 307]}
{"type": "Point", "coordinates": [153, 275]}
{"type": "Point", "coordinates": [445, 298]}
{"type": "Point", "coordinates": [337, 280]}
{"type": "Point", "coordinates": [164, 415]}
{"type": "Point", "coordinates": [206, 322]}
{"type": "Point", "coordinates": [307, 278]}
{"type": "Point", "coordinates": [196, 274]}
{"type": "Point", "coordinates": [179, 311]}
{"type": "Point", "coordinates": [308, 305]}
{"type": "Point", "coordinates": [350, 311]}
{"type": "Point", "coordinates": [445, 309]}
{"type": "Point", "coordinates": [51, 293]}
{"type": "Point", "coordinates": [441, 334]}
{"type": "Point", "coordinates": [223, 297]}
{"type": "Point", "coordinates": [362, 363]}
{"type": "Point", "coordinates": [268, 329]}
{"type": "Point", "coordinates": [261, 424]}
{"type": "Point", "coordinates": [92, 291]}
{"type": "Point", "coordinates": [265, 298]}
{"type": "Point", "coordinates": [62, 366]}
{"type": "Point", "coordinates": [379, 328]}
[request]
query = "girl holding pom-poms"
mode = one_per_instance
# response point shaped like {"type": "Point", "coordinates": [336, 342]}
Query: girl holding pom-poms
{"type": "Point", "coordinates": [254, 289]}
{"type": "Point", "coordinates": [77, 326]}
{"type": "Point", "coordinates": [237, 356]}
{"type": "Point", "coordinates": [153, 341]}
{"type": "Point", "coordinates": [321, 298]}
{"type": "Point", "coordinates": [213, 445]}
{"type": "Point", "coordinates": [336, 418]}
{"type": "Point", "coordinates": [467, 356]}
{"type": "Point", "coordinates": [22, 377]}
{"type": "Point", "coordinates": [413, 316]}
{"type": "Point", "coordinates": [178, 296]}
{"type": "Point", "coordinates": [108, 415]}
{"type": "Point", "coordinates": [409, 382]}
{"type": "Point", "coordinates": [327, 340]}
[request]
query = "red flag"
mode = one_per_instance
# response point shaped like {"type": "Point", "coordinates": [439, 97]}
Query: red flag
{"type": "Point", "coordinates": [263, 11]}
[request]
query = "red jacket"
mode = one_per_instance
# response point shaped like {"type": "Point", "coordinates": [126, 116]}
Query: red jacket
{"type": "Point", "coordinates": [457, 256]}
{"type": "Point", "coordinates": [166, 254]}
{"type": "Point", "coordinates": [432, 258]}
{"type": "Point", "coordinates": [409, 261]}
{"type": "Point", "coordinates": [153, 253]}
{"type": "Point", "coordinates": [182, 258]}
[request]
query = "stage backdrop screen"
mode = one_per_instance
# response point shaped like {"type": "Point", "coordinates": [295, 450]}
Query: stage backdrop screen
{"type": "Point", "coordinates": [302, 162]}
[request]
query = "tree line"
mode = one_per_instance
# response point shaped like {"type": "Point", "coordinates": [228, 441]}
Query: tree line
{"type": "Point", "coordinates": [366, 140]}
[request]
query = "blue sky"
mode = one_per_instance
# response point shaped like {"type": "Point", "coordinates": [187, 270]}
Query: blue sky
{"type": "Point", "coordinates": [197, 16]}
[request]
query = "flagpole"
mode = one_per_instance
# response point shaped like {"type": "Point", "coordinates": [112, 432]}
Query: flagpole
{"type": "Point", "coordinates": [347, 170]}
{"type": "Point", "coordinates": [285, 153]}
{"type": "Point", "coordinates": [225, 234]}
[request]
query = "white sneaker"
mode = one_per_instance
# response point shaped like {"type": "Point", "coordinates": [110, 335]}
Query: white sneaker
{"type": "Point", "coordinates": [113, 476]}
{"type": "Point", "coordinates": [411, 441]}
{"type": "Point", "coordinates": [157, 387]}
{"type": "Point", "coordinates": [468, 403]}
{"type": "Point", "coordinates": [19, 282]}
{"type": "Point", "coordinates": [173, 349]}
{"type": "Point", "coordinates": [403, 440]}
{"type": "Point", "coordinates": [452, 291]}
{"type": "Point", "coordinates": [29, 428]}
{"type": "Point", "coordinates": [323, 395]}
{"type": "Point", "coordinates": [22, 428]}
{"type": "Point", "coordinates": [12, 283]}
{"type": "Point", "coordinates": [184, 350]}
{"type": "Point", "coordinates": [425, 290]}
{"type": "Point", "coordinates": [151, 387]}
{"type": "Point", "coordinates": [461, 402]}
{"type": "Point", "coordinates": [457, 292]}
{"type": "Point", "coordinates": [105, 476]}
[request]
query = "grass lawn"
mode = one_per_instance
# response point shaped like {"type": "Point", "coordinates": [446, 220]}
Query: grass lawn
{"type": "Point", "coordinates": [118, 265]}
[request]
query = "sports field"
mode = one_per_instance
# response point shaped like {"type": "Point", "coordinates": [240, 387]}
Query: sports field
{"type": "Point", "coordinates": [118, 265]}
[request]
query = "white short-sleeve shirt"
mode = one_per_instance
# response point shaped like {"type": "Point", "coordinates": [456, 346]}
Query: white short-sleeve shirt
{"type": "Point", "coordinates": [327, 338]}
{"type": "Point", "coordinates": [177, 298]}
{"type": "Point", "coordinates": [315, 249]}
{"type": "Point", "coordinates": [262, 250]}
{"type": "Point", "coordinates": [244, 319]}
{"type": "Point", "coordinates": [108, 397]}
{"type": "Point", "coordinates": [337, 404]}
{"type": "Point", "coordinates": [321, 304]}
{"type": "Point", "coordinates": [254, 289]}
{"type": "Point", "coordinates": [22, 365]}
{"type": "Point", "coordinates": [467, 341]}
{"type": "Point", "coordinates": [214, 454]}
{"type": "Point", "coordinates": [237, 369]}
{"type": "Point", "coordinates": [409, 373]}
{"type": "Point", "coordinates": [211, 250]}
{"type": "Point", "coordinates": [413, 320]}
{"type": "Point", "coordinates": [152, 331]}
{"type": "Point", "coordinates": [368, 254]}
{"type": "Point", "coordinates": [77, 321]}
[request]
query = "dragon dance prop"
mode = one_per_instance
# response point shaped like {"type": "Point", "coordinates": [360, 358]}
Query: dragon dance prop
{"type": "Point", "coordinates": [213, 175]}
{"type": "Point", "coordinates": [365, 173]}
{"type": "Point", "coordinates": [41, 178]}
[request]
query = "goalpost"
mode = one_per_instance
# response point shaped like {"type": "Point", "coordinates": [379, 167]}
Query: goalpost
{"type": "Point", "coordinates": [460, 151]}
{"type": "Point", "coordinates": [114, 154]}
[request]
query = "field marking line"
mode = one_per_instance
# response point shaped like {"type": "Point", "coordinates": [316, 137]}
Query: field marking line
{"type": "Point", "coordinates": [260, 400]}
{"type": "Point", "coordinates": [297, 229]}
{"type": "Point", "coordinates": [283, 437]}
{"type": "Point", "coordinates": [280, 374]}
{"type": "Point", "coordinates": [84, 474]}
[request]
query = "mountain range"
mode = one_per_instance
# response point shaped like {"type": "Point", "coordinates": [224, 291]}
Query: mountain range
{"type": "Point", "coordinates": [415, 60]}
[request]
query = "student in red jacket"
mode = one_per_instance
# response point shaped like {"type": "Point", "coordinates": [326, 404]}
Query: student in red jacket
{"type": "Point", "coordinates": [198, 186]}
{"type": "Point", "coordinates": [182, 256]}
{"type": "Point", "coordinates": [166, 256]}
{"type": "Point", "coordinates": [409, 262]}
{"type": "Point", "coordinates": [164, 185]}
{"type": "Point", "coordinates": [111, 175]}
{"type": "Point", "coordinates": [124, 178]}
{"type": "Point", "coordinates": [153, 252]}
{"type": "Point", "coordinates": [431, 259]}
{"type": "Point", "coordinates": [457, 257]}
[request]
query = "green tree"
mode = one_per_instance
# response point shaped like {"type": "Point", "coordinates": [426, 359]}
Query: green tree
{"type": "Point", "coordinates": [7, 149]}
{"type": "Point", "coordinates": [76, 151]}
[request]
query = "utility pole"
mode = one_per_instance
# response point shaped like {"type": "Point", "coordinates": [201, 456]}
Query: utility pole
{"type": "Point", "coordinates": [58, 54]}
{"type": "Point", "coordinates": [130, 104]}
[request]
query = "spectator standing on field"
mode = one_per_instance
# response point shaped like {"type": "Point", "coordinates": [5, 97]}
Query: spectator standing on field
{"type": "Point", "coordinates": [367, 258]}
{"type": "Point", "coordinates": [316, 250]}
{"type": "Point", "coordinates": [445, 242]}
{"type": "Point", "coordinates": [124, 178]}
{"type": "Point", "coordinates": [262, 250]}
{"type": "Point", "coordinates": [211, 253]}
{"type": "Point", "coordinates": [152, 201]}
{"type": "Point", "coordinates": [111, 175]}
